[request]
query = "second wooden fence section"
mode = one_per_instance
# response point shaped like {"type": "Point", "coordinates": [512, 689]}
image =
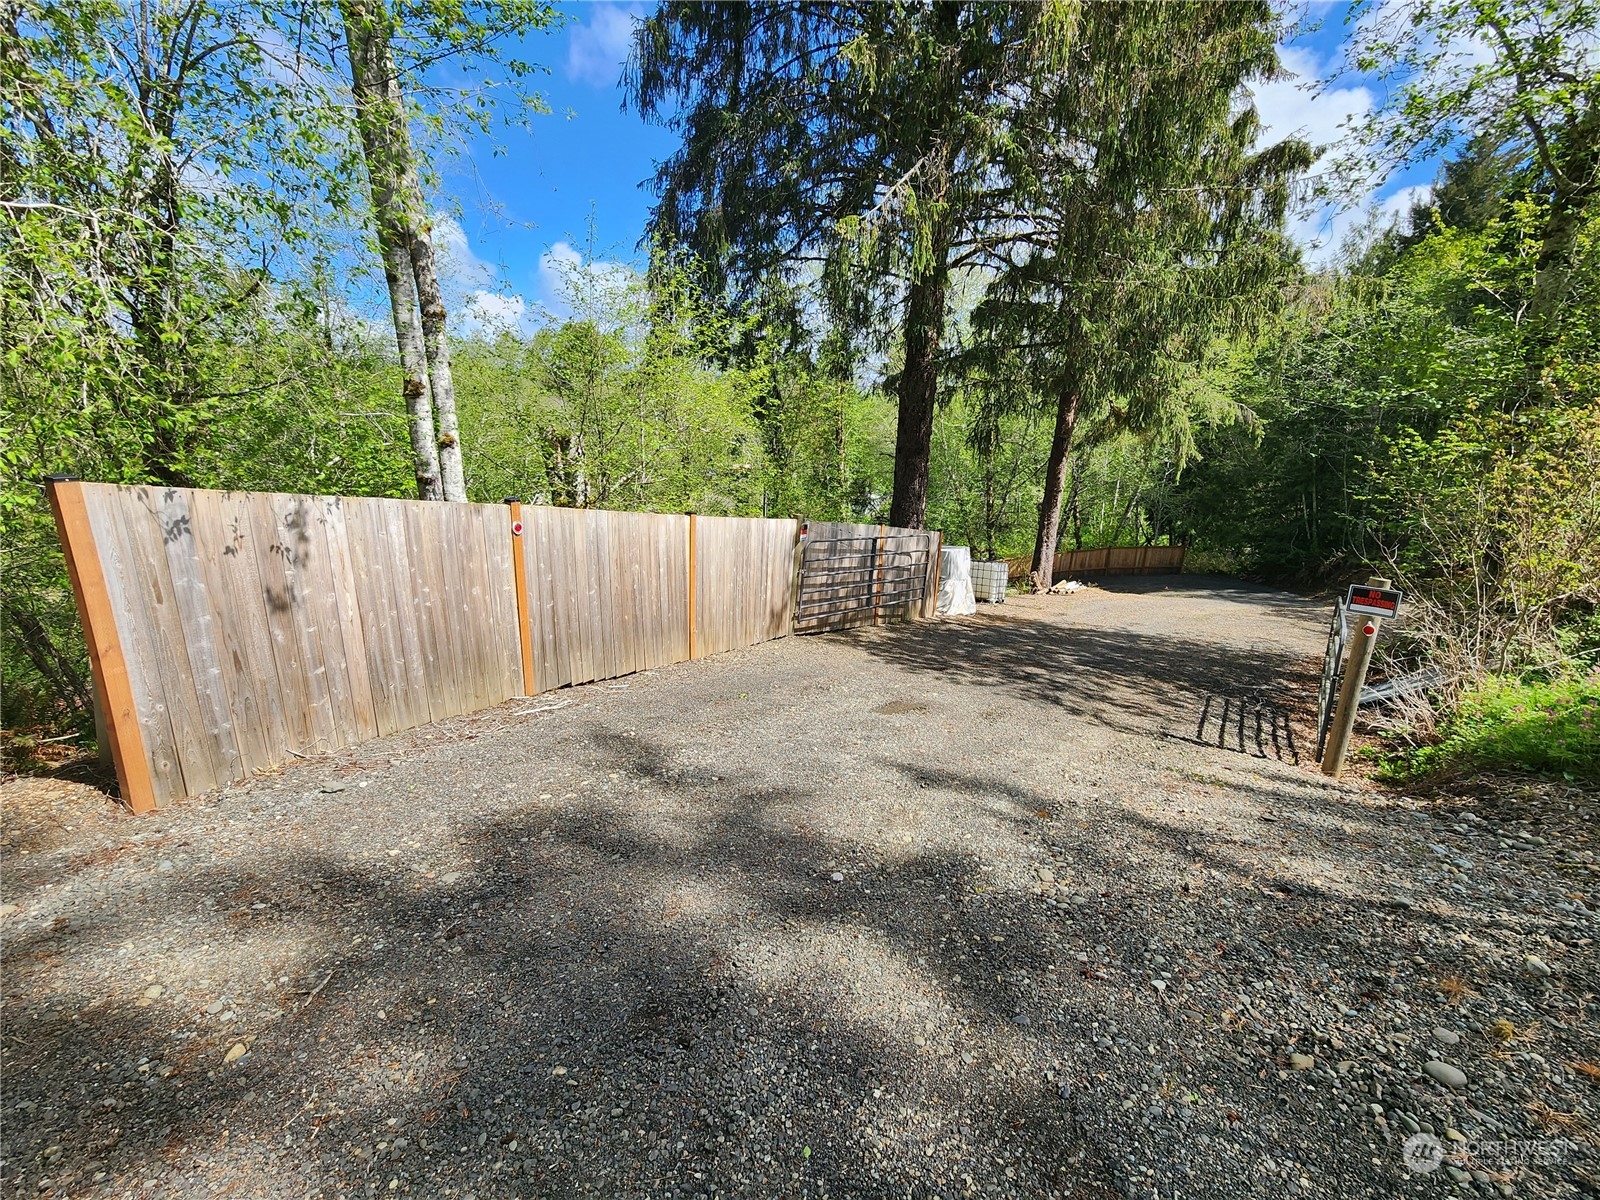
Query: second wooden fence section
{"type": "Point", "coordinates": [1108, 560]}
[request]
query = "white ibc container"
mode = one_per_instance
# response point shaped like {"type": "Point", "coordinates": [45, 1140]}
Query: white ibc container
{"type": "Point", "coordinates": [989, 581]}
{"type": "Point", "coordinates": [955, 582]}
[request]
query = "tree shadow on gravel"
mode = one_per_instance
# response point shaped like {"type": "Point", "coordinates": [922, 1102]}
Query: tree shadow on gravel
{"type": "Point", "coordinates": [616, 1000]}
{"type": "Point", "coordinates": [1129, 681]}
{"type": "Point", "coordinates": [575, 1016]}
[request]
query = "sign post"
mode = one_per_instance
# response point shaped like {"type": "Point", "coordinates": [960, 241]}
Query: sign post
{"type": "Point", "coordinates": [1375, 600]}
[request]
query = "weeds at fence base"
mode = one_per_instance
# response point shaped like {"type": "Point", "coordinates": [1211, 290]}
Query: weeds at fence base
{"type": "Point", "coordinates": [1551, 727]}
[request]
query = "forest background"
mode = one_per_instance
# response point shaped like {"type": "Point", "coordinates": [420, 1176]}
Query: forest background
{"type": "Point", "coordinates": [191, 292]}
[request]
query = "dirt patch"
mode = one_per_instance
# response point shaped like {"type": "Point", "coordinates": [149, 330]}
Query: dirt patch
{"type": "Point", "coordinates": [724, 929]}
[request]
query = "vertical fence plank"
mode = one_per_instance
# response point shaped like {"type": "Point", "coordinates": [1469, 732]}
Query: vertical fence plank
{"type": "Point", "coordinates": [286, 569]}
{"type": "Point", "coordinates": [374, 600]}
{"type": "Point", "coordinates": [353, 635]}
{"type": "Point", "coordinates": [278, 602]}
{"type": "Point", "coordinates": [422, 527]}
{"type": "Point", "coordinates": [108, 665]}
{"type": "Point", "coordinates": [694, 583]}
{"type": "Point", "coordinates": [248, 673]}
{"type": "Point", "coordinates": [466, 540]}
{"type": "Point", "coordinates": [145, 669]}
{"type": "Point", "coordinates": [402, 573]}
{"type": "Point", "coordinates": [200, 631]}
{"type": "Point", "coordinates": [198, 753]}
{"type": "Point", "coordinates": [326, 645]}
{"type": "Point", "coordinates": [238, 566]}
{"type": "Point", "coordinates": [519, 566]}
{"type": "Point", "coordinates": [540, 555]}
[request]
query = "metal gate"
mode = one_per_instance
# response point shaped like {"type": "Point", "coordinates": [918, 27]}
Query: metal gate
{"type": "Point", "coordinates": [862, 574]}
{"type": "Point", "coordinates": [1332, 672]}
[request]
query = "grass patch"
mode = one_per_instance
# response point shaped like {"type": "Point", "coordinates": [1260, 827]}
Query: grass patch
{"type": "Point", "coordinates": [1549, 726]}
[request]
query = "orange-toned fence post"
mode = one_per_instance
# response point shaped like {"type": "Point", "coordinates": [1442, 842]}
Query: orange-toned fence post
{"type": "Point", "coordinates": [106, 662]}
{"type": "Point", "coordinates": [519, 560]}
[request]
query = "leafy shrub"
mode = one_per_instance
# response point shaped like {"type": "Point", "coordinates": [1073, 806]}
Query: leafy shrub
{"type": "Point", "coordinates": [1551, 726]}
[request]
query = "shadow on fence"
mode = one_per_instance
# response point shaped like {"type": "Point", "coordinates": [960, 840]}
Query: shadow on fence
{"type": "Point", "coordinates": [231, 631]}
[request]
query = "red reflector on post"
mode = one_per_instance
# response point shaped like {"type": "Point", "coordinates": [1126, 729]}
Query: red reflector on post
{"type": "Point", "coordinates": [1369, 629]}
{"type": "Point", "coordinates": [516, 528]}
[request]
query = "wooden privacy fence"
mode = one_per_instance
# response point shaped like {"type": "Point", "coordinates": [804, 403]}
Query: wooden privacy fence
{"type": "Point", "coordinates": [1108, 560]}
{"type": "Point", "coordinates": [231, 631]}
{"type": "Point", "coordinates": [744, 581]}
{"type": "Point", "coordinates": [860, 574]}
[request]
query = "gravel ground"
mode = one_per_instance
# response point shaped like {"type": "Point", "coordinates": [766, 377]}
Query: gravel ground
{"type": "Point", "coordinates": [1049, 901]}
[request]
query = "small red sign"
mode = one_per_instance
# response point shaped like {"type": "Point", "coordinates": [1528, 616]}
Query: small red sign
{"type": "Point", "coordinates": [1376, 602]}
{"type": "Point", "coordinates": [516, 528]}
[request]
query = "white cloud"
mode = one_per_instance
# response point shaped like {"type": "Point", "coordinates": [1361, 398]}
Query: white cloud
{"type": "Point", "coordinates": [555, 266]}
{"type": "Point", "coordinates": [1335, 231]}
{"type": "Point", "coordinates": [1301, 106]}
{"type": "Point", "coordinates": [598, 48]}
{"type": "Point", "coordinates": [599, 290]}
{"type": "Point", "coordinates": [1400, 204]}
{"type": "Point", "coordinates": [491, 313]}
{"type": "Point", "coordinates": [459, 268]}
{"type": "Point", "coordinates": [477, 307]}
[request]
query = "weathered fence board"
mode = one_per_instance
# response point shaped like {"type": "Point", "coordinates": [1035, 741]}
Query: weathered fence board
{"type": "Point", "coordinates": [607, 592]}
{"type": "Point", "coordinates": [744, 591]}
{"type": "Point", "coordinates": [1107, 560]}
{"type": "Point", "coordinates": [255, 626]}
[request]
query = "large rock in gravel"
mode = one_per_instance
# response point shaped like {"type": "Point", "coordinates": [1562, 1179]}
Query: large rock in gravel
{"type": "Point", "coordinates": [1443, 1072]}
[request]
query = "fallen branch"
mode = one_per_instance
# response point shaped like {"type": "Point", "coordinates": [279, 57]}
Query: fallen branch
{"type": "Point", "coordinates": [313, 995]}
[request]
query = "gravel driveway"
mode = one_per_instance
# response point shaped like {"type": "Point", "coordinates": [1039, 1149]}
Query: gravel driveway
{"type": "Point", "coordinates": [1049, 901]}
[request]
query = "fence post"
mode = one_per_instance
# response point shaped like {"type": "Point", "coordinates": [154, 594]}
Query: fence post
{"type": "Point", "coordinates": [106, 663]}
{"type": "Point", "coordinates": [797, 568]}
{"type": "Point", "coordinates": [692, 569]}
{"type": "Point", "coordinates": [930, 607]}
{"type": "Point", "coordinates": [519, 564]}
{"type": "Point", "coordinates": [1355, 674]}
{"type": "Point", "coordinates": [877, 576]}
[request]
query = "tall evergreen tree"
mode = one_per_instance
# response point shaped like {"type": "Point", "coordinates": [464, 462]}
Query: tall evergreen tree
{"type": "Point", "coordinates": [1153, 221]}
{"type": "Point", "coordinates": [873, 127]}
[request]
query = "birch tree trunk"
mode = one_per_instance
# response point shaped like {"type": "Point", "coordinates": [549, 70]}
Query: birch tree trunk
{"type": "Point", "coordinates": [440, 381]}
{"type": "Point", "coordinates": [386, 147]}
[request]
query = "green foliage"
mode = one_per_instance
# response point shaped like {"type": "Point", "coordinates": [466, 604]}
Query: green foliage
{"type": "Point", "coordinates": [177, 190]}
{"type": "Point", "coordinates": [1410, 417]}
{"type": "Point", "coordinates": [1550, 726]}
{"type": "Point", "coordinates": [626, 405]}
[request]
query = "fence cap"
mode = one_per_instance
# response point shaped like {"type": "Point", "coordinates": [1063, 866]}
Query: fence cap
{"type": "Point", "coordinates": [512, 500]}
{"type": "Point", "coordinates": [61, 479]}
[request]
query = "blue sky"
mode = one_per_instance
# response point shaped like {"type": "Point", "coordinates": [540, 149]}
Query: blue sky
{"type": "Point", "coordinates": [513, 216]}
